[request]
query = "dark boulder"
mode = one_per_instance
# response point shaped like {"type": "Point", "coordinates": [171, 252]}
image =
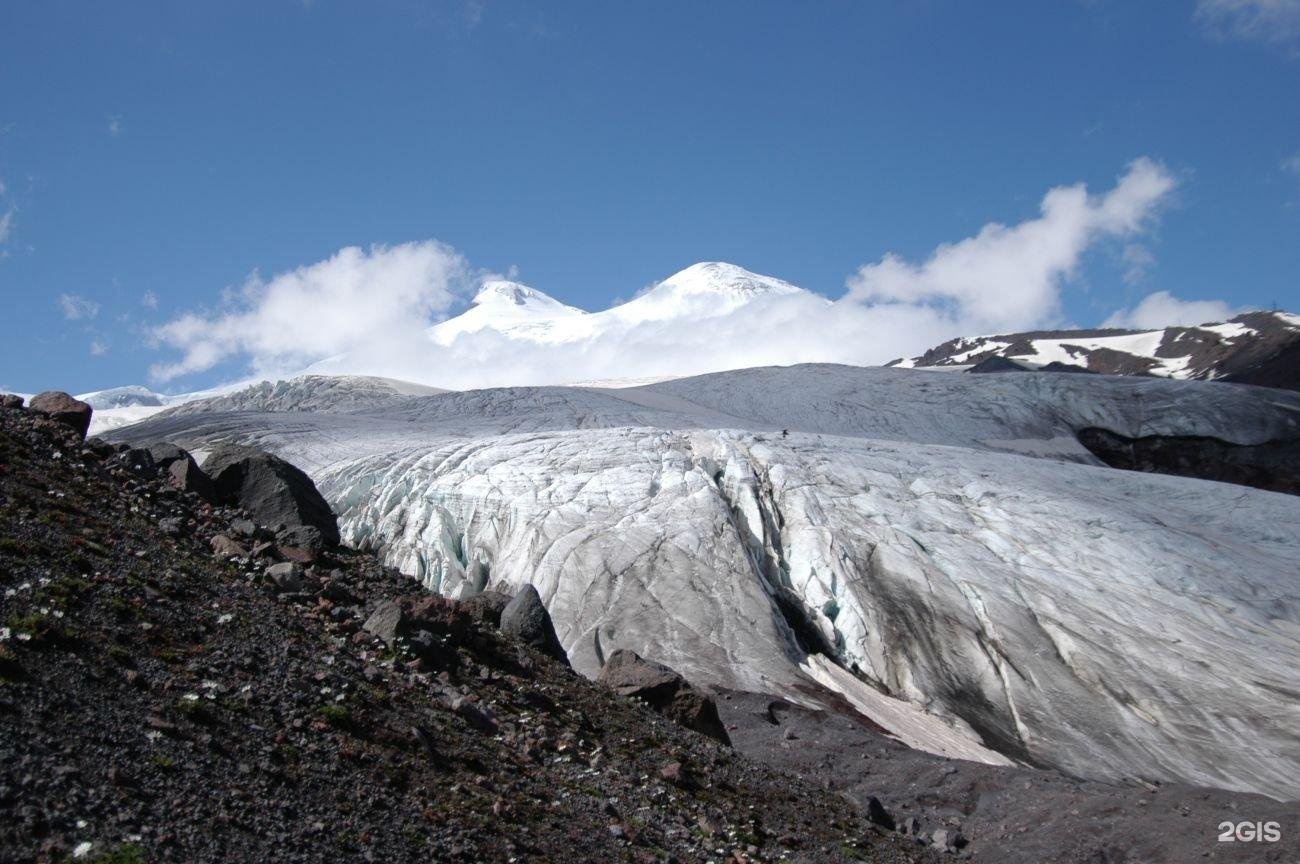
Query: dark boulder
{"type": "Point", "coordinates": [487, 606]}
{"type": "Point", "coordinates": [628, 674]}
{"type": "Point", "coordinates": [525, 618]}
{"type": "Point", "coordinates": [388, 622]}
{"type": "Point", "coordinates": [878, 815]}
{"type": "Point", "coordinates": [271, 490]}
{"type": "Point", "coordinates": [187, 476]}
{"type": "Point", "coordinates": [61, 407]}
{"type": "Point", "coordinates": [401, 618]}
{"type": "Point", "coordinates": [11, 400]}
{"type": "Point", "coordinates": [174, 464]}
{"type": "Point", "coordinates": [286, 577]}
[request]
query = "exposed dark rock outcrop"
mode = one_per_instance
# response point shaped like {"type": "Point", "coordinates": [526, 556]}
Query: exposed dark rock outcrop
{"type": "Point", "coordinates": [487, 606]}
{"type": "Point", "coordinates": [629, 674]}
{"type": "Point", "coordinates": [525, 618]}
{"type": "Point", "coordinates": [271, 490]}
{"type": "Point", "coordinates": [1261, 348]}
{"type": "Point", "coordinates": [62, 408]}
{"type": "Point", "coordinates": [998, 363]}
{"type": "Point", "coordinates": [163, 459]}
{"type": "Point", "coordinates": [1273, 465]}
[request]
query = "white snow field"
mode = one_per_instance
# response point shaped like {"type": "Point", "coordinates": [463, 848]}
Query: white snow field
{"type": "Point", "coordinates": [943, 536]}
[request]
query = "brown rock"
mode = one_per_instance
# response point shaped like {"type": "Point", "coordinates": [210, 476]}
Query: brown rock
{"type": "Point", "coordinates": [225, 547]}
{"type": "Point", "coordinates": [61, 407]}
{"type": "Point", "coordinates": [661, 688]}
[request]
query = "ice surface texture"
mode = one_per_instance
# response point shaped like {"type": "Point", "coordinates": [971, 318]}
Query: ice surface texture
{"type": "Point", "coordinates": [945, 535]}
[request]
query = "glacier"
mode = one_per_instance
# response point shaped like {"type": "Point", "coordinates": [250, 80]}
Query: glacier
{"type": "Point", "coordinates": [937, 547]}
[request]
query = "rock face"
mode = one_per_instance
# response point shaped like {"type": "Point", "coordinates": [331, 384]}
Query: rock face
{"type": "Point", "coordinates": [1273, 465]}
{"type": "Point", "coordinates": [629, 674]}
{"type": "Point", "coordinates": [273, 491]}
{"type": "Point", "coordinates": [63, 408]}
{"type": "Point", "coordinates": [525, 618]}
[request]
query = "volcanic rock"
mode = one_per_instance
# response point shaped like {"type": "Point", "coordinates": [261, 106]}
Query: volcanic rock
{"type": "Point", "coordinates": [273, 491]}
{"type": "Point", "coordinates": [64, 409]}
{"type": "Point", "coordinates": [628, 674]}
{"type": "Point", "coordinates": [525, 618]}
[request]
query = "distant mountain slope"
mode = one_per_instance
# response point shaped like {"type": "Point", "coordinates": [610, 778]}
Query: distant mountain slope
{"type": "Point", "coordinates": [328, 393]}
{"type": "Point", "coordinates": [1254, 348]}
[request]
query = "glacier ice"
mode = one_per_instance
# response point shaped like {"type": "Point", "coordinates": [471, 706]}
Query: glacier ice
{"type": "Point", "coordinates": [942, 537]}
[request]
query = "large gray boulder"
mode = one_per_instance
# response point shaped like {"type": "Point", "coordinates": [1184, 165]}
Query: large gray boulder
{"type": "Point", "coordinates": [629, 674]}
{"type": "Point", "coordinates": [525, 618]}
{"type": "Point", "coordinates": [274, 492]}
{"type": "Point", "coordinates": [61, 407]}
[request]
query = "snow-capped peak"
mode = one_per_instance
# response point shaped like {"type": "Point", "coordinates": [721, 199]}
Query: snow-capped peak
{"type": "Point", "coordinates": [499, 292]}
{"type": "Point", "coordinates": [511, 308]}
{"type": "Point", "coordinates": [701, 290]}
{"type": "Point", "coordinates": [719, 277]}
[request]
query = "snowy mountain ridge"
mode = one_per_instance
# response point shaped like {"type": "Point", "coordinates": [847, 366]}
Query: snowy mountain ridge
{"type": "Point", "coordinates": [1253, 348]}
{"type": "Point", "coordinates": [703, 290]}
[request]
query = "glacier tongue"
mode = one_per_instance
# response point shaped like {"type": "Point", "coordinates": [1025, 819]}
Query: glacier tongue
{"type": "Point", "coordinates": [934, 534]}
{"type": "Point", "coordinates": [1051, 608]}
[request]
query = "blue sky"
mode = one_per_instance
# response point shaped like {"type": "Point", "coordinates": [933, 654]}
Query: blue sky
{"type": "Point", "coordinates": [154, 154]}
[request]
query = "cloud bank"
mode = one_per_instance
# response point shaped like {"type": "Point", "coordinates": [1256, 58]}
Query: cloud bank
{"type": "Point", "coordinates": [1163, 309]}
{"type": "Point", "coordinates": [370, 303]}
{"type": "Point", "coordinates": [369, 311]}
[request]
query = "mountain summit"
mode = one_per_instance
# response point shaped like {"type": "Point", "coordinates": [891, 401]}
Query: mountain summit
{"type": "Point", "coordinates": [703, 290]}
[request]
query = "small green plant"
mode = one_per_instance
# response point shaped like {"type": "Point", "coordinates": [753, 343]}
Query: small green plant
{"type": "Point", "coordinates": [125, 853]}
{"type": "Point", "coordinates": [163, 762]}
{"type": "Point", "coordinates": [335, 715]}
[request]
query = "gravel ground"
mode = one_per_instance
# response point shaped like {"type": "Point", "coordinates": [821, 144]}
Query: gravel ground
{"type": "Point", "coordinates": [1008, 815]}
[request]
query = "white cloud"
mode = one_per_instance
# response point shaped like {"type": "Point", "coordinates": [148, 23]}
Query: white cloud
{"type": "Point", "coordinates": [149, 300]}
{"type": "Point", "coordinates": [371, 303]}
{"type": "Point", "coordinates": [368, 312]}
{"type": "Point", "coordinates": [1163, 309]}
{"type": "Point", "coordinates": [1138, 260]}
{"type": "Point", "coordinates": [115, 125]}
{"type": "Point", "coordinates": [473, 12]}
{"type": "Point", "coordinates": [1291, 164]}
{"type": "Point", "coordinates": [7, 224]}
{"type": "Point", "coordinates": [1010, 277]}
{"type": "Point", "coordinates": [75, 307]}
{"type": "Point", "coordinates": [98, 348]}
{"type": "Point", "coordinates": [1274, 21]}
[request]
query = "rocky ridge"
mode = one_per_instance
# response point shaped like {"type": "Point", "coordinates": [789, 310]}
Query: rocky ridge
{"type": "Point", "coordinates": [1260, 348]}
